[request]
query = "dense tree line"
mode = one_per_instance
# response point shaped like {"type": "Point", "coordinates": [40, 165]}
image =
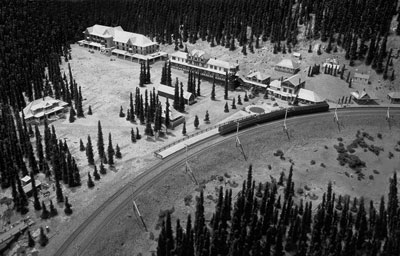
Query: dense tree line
{"type": "Point", "coordinates": [30, 58]}
{"type": "Point", "coordinates": [263, 221]}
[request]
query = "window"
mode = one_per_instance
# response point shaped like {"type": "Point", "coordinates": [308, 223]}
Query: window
{"type": "Point", "coordinates": [284, 90]}
{"type": "Point", "coordinates": [173, 58]}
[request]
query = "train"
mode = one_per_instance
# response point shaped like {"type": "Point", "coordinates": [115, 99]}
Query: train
{"type": "Point", "coordinates": [272, 116]}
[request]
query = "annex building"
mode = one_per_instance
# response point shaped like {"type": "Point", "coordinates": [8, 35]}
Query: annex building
{"type": "Point", "coordinates": [123, 44]}
{"type": "Point", "coordinates": [199, 61]}
{"type": "Point", "coordinates": [288, 66]}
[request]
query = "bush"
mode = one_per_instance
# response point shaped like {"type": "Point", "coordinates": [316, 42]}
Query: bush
{"type": "Point", "coordinates": [269, 167]}
{"type": "Point", "coordinates": [371, 177]}
{"type": "Point", "coordinates": [326, 147]}
{"type": "Point", "coordinates": [312, 162]}
{"type": "Point", "coordinates": [279, 153]}
{"type": "Point", "coordinates": [379, 135]}
{"type": "Point", "coordinates": [375, 171]}
{"type": "Point", "coordinates": [340, 139]}
{"type": "Point", "coordinates": [391, 155]}
{"type": "Point", "coordinates": [188, 200]}
{"type": "Point", "coordinates": [323, 165]}
{"type": "Point", "coordinates": [306, 187]}
{"type": "Point", "coordinates": [227, 175]}
{"type": "Point", "coordinates": [300, 191]}
{"type": "Point", "coordinates": [375, 149]}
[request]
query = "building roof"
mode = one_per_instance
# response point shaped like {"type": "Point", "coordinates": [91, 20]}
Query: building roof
{"type": "Point", "coordinates": [363, 95]}
{"type": "Point", "coordinates": [310, 96]}
{"type": "Point", "coordinates": [219, 63]}
{"type": "Point", "coordinates": [297, 54]}
{"type": "Point", "coordinates": [133, 38]}
{"type": "Point", "coordinates": [26, 178]}
{"type": "Point", "coordinates": [295, 80]}
{"type": "Point", "coordinates": [394, 95]}
{"type": "Point", "coordinates": [275, 84]}
{"type": "Point", "coordinates": [171, 91]}
{"type": "Point", "coordinates": [199, 53]}
{"type": "Point", "coordinates": [258, 75]}
{"type": "Point", "coordinates": [361, 76]}
{"type": "Point", "coordinates": [103, 31]}
{"type": "Point", "coordinates": [43, 103]}
{"type": "Point", "coordinates": [179, 54]}
{"type": "Point", "coordinates": [288, 63]}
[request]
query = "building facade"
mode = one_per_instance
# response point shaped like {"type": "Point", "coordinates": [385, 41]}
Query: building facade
{"type": "Point", "coordinates": [287, 89]}
{"type": "Point", "coordinates": [360, 79]}
{"type": "Point", "coordinates": [42, 108]}
{"type": "Point", "coordinates": [199, 61]}
{"type": "Point", "coordinates": [256, 78]}
{"type": "Point", "coordinates": [116, 41]}
{"type": "Point", "coordinates": [288, 66]}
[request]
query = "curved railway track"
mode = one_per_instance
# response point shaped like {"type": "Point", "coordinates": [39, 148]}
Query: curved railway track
{"type": "Point", "coordinates": [79, 241]}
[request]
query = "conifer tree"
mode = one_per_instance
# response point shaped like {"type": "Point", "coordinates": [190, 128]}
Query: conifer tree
{"type": "Point", "coordinates": [213, 90]}
{"type": "Point", "coordinates": [45, 213]}
{"type": "Point", "coordinates": [103, 170]}
{"type": "Point", "coordinates": [148, 75]}
{"type": "Point", "coordinates": [71, 115]}
{"type": "Point", "coordinates": [226, 108]}
{"type": "Point", "coordinates": [184, 128]}
{"type": "Point", "coordinates": [198, 84]}
{"type": "Point", "coordinates": [138, 136]}
{"type": "Point", "coordinates": [67, 209]}
{"type": "Point", "coordinates": [100, 141]}
{"type": "Point", "coordinates": [239, 100]}
{"type": "Point", "coordinates": [244, 51]}
{"type": "Point", "coordinates": [233, 104]}
{"type": "Point", "coordinates": [43, 240]}
{"type": "Point", "coordinates": [207, 117]}
{"type": "Point", "coordinates": [31, 241]}
{"type": "Point", "coordinates": [246, 98]}
{"type": "Point", "coordinates": [121, 112]}
{"type": "Point", "coordinates": [164, 74]}
{"type": "Point", "coordinates": [118, 154]}
{"type": "Point", "coordinates": [59, 193]}
{"type": "Point", "coordinates": [133, 137]}
{"type": "Point", "coordinates": [36, 203]}
{"type": "Point", "coordinates": [181, 100]}
{"type": "Point", "coordinates": [167, 117]}
{"type": "Point", "coordinates": [81, 146]}
{"type": "Point", "coordinates": [226, 87]}
{"type": "Point", "coordinates": [196, 122]}
{"type": "Point", "coordinates": [110, 150]}
{"type": "Point", "coordinates": [176, 95]}
{"type": "Point", "coordinates": [90, 112]}
{"type": "Point", "coordinates": [96, 174]}
{"type": "Point", "coordinates": [53, 210]}
{"type": "Point", "coordinates": [90, 182]}
{"type": "Point", "coordinates": [89, 151]}
{"type": "Point", "coordinates": [169, 77]}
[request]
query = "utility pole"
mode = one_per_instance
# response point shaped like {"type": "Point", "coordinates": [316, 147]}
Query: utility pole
{"type": "Point", "coordinates": [285, 129]}
{"type": "Point", "coordinates": [336, 118]}
{"type": "Point", "coordinates": [187, 167]}
{"type": "Point", "coordinates": [136, 209]}
{"type": "Point", "coordinates": [238, 144]}
{"type": "Point", "coordinates": [388, 117]}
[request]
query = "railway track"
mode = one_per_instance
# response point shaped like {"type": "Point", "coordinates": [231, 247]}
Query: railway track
{"type": "Point", "coordinates": [78, 242]}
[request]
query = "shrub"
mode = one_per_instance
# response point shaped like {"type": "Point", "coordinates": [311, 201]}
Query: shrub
{"type": "Point", "coordinates": [220, 178]}
{"type": "Point", "coordinates": [300, 191]}
{"type": "Point", "coordinates": [347, 174]}
{"type": "Point", "coordinates": [375, 171]}
{"type": "Point", "coordinates": [379, 135]}
{"type": "Point", "coordinates": [269, 167]}
{"type": "Point", "coordinates": [326, 147]}
{"type": "Point", "coordinates": [278, 153]}
{"type": "Point", "coordinates": [188, 200]}
{"type": "Point", "coordinates": [391, 155]}
{"type": "Point", "coordinates": [313, 196]}
{"type": "Point", "coordinates": [371, 177]}
{"type": "Point", "coordinates": [227, 175]}
{"type": "Point", "coordinates": [306, 187]}
{"type": "Point", "coordinates": [312, 162]}
{"type": "Point", "coordinates": [340, 139]}
{"type": "Point", "coordinates": [323, 165]}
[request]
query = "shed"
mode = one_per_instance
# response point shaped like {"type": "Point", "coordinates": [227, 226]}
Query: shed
{"type": "Point", "coordinates": [169, 92]}
{"type": "Point", "coordinates": [28, 187]}
{"type": "Point", "coordinates": [394, 97]}
{"type": "Point", "coordinates": [297, 55]}
{"type": "Point", "coordinates": [25, 180]}
{"type": "Point", "coordinates": [175, 117]}
{"type": "Point", "coordinates": [360, 79]}
{"type": "Point", "coordinates": [362, 97]}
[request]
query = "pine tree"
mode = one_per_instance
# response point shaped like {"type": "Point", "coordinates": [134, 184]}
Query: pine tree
{"type": "Point", "coordinates": [176, 95]}
{"type": "Point", "coordinates": [67, 209]}
{"type": "Point", "coordinates": [103, 170]}
{"type": "Point", "coordinates": [213, 90]}
{"type": "Point", "coordinates": [118, 154]}
{"type": "Point", "coordinates": [181, 100]}
{"type": "Point", "coordinates": [184, 128]}
{"type": "Point", "coordinates": [90, 112]}
{"type": "Point", "coordinates": [96, 174]}
{"type": "Point", "coordinates": [71, 115]}
{"type": "Point", "coordinates": [207, 117]}
{"type": "Point", "coordinates": [110, 151]}
{"type": "Point", "coordinates": [36, 203]}
{"type": "Point", "coordinates": [226, 87]}
{"type": "Point", "coordinates": [81, 146]}
{"type": "Point", "coordinates": [167, 117]}
{"type": "Point", "coordinates": [133, 137]}
{"type": "Point", "coordinates": [239, 100]}
{"type": "Point", "coordinates": [226, 108]}
{"type": "Point", "coordinates": [138, 136]}
{"type": "Point", "coordinates": [164, 74]}
{"type": "Point", "coordinates": [100, 141]}
{"type": "Point", "coordinates": [31, 241]}
{"type": "Point", "coordinates": [196, 122]}
{"type": "Point", "coordinates": [45, 212]}
{"type": "Point", "coordinates": [59, 193]}
{"type": "Point", "coordinates": [53, 210]}
{"type": "Point", "coordinates": [43, 240]}
{"type": "Point", "coordinates": [244, 51]}
{"type": "Point", "coordinates": [198, 84]}
{"type": "Point", "coordinates": [90, 182]}
{"type": "Point", "coordinates": [89, 151]}
{"type": "Point", "coordinates": [121, 112]}
{"type": "Point", "coordinates": [233, 104]}
{"type": "Point", "coordinates": [148, 75]}
{"type": "Point", "coordinates": [246, 98]}
{"type": "Point", "coordinates": [169, 77]}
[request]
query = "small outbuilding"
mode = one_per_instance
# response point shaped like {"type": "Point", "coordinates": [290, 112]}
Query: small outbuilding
{"type": "Point", "coordinates": [28, 187]}
{"type": "Point", "coordinates": [362, 97]}
{"type": "Point", "coordinates": [360, 79]}
{"type": "Point", "coordinates": [169, 92]}
{"type": "Point", "coordinates": [394, 97]}
{"type": "Point", "coordinates": [288, 66]}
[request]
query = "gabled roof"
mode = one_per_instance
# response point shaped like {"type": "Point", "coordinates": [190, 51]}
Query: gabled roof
{"type": "Point", "coordinates": [179, 54]}
{"type": "Point", "coordinates": [103, 31]}
{"type": "Point", "coordinates": [394, 95]}
{"type": "Point", "coordinates": [133, 38]}
{"type": "Point", "coordinates": [41, 103]}
{"type": "Point", "coordinates": [310, 96]}
{"type": "Point", "coordinates": [361, 75]}
{"type": "Point", "coordinates": [171, 91]}
{"type": "Point", "coordinates": [288, 63]}
{"type": "Point", "coordinates": [198, 53]}
{"type": "Point", "coordinates": [275, 84]}
{"type": "Point", "coordinates": [258, 75]}
{"type": "Point", "coordinates": [219, 63]}
{"type": "Point", "coordinates": [363, 95]}
{"type": "Point", "coordinates": [294, 80]}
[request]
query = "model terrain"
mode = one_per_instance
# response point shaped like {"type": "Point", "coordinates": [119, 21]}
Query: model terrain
{"type": "Point", "coordinates": [85, 118]}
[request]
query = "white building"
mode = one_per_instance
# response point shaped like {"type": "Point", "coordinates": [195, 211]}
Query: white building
{"type": "Point", "coordinates": [360, 79]}
{"type": "Point", "coordinates": [116, 41]}
{"type": "Point", "coordinates": [288, 66]}
{"type": "Point", "coordinates": [47, 106]}
{"type": "Point", "coordinates": [199, 61]}
{"type": "Point", "coordinates": [256, 78]}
